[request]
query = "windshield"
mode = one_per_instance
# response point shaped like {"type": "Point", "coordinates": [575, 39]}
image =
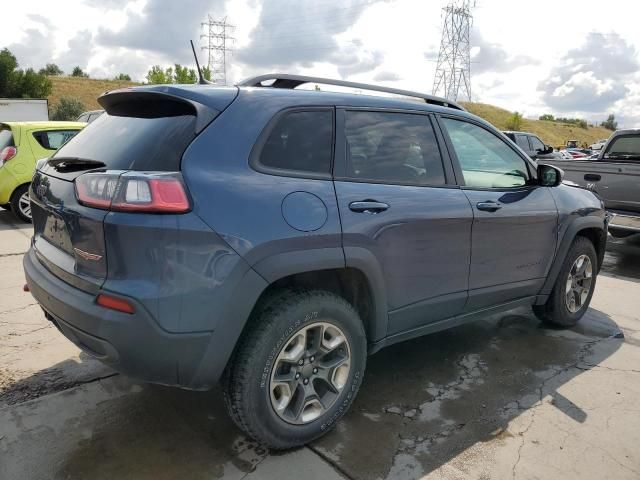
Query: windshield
{"type": "Point", "coordinates": [627, 146]}
{"type": "Point", "coordinates": [6, 138]}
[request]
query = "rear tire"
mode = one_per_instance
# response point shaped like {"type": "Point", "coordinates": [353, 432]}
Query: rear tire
{"type": "Point", "coordinates": [298, 368]}
{"type": "Point", "coordinates": [574, 286]}
{"type": "Point", "coordinates": [20, 205]}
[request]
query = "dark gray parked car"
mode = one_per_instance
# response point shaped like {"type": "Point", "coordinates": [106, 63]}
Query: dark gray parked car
{"type": "Point", "coordinates": [272, 238]}
{"type": "Point", "coordinates": [532, 145]}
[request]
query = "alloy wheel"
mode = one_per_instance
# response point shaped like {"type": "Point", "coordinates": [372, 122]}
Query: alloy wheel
{"type": "Point", "coordinates": [24, 205]}
{"type": "Point", "coordinates": [578, 283]}
{"type": "Point", "coordinates": [309, 373]}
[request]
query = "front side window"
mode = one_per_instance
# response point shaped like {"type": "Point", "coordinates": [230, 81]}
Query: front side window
{"type": "Point", "coordinates": [522, 142]}
{"type": "Point", "coordinates": [301, 141]}
{"type": "Point", "coordinates": [536, 144]}
{"type": "Point", "coordinates": [54, 139]}
{"type": "Point", "coordinates": [625, 147]}
{"type": "Point", "coordinates": [392, 148]}
{"type": "Point", "coordinates": [486, 160]}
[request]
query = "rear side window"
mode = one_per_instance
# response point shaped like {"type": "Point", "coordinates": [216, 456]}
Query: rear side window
{"type": "Point", "coordinates": [133, 143]}
{"type": "Point", "coordinates": [300, 142]}
{"type": "Point", "coordinates": [392, 148]}
{"type": "Point", "coordinates": [523, 142]}
{"type": "Point", "coordinates": [54, 139]}
{"type": "Point", "coordinates": [83, 118]}
{"type": "Point", "coordinates": [6, 138]}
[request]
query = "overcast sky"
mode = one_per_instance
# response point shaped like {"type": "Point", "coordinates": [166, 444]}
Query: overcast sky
{"type": "Point", "coordinates": [567, 57]}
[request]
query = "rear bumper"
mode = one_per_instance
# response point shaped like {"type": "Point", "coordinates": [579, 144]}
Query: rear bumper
{"type": "Point", "coordinates": [629, 223]}
{"type": "Point", "coordinates": [132, 344]}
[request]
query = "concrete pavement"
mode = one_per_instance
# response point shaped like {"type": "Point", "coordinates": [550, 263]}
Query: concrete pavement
{"type": "Point", "coordinates": [500, 398]}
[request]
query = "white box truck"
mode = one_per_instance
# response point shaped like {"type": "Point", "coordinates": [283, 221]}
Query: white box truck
{"type": "Point", "coordinates": [23, 110]}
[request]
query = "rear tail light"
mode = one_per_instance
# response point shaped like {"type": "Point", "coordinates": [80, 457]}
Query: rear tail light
{"type": "Point", "coordinates": [8, 153]}
{"type": "Point", "coordinates": [133, 192]}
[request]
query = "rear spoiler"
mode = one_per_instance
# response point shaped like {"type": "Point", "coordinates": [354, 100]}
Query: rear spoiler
{"type": "Point", "coordinates": [154, 104]}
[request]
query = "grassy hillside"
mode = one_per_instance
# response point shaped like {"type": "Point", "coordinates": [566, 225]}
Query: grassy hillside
{"type": "Point", "coordinates": [552, 133]}
{"type": "Point", "coordinates": [85, 89]}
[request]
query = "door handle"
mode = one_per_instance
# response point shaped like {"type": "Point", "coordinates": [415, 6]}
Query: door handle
{"type": "Point", "coordinates": [368, 206]}
{"type": "Point", "coordinates": [592, 177]}
{"type": "Point", "coordinates": [488, 206]}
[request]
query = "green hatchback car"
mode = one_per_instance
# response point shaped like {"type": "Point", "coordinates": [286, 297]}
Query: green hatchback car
{"type": "Point", "coordinates": [22, 144]}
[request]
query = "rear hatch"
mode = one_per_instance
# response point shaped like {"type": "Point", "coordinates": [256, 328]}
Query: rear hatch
{"type": "Point", "coordinates": [135, 146]}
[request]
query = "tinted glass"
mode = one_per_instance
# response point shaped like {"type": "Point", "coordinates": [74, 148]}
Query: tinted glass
{"type": "Point", "coordinates": [6, 138]}
{"type": "Point", "coordinates": [300, 141]}
{"type": "Point", "coordinates": [624, 147]}
{"type": "Point", "coordinates": [536, 144]}
{"type": "Point", "coordinates": [392, 147]}
{"type": "Point", "coordinates": [54, 139]}
{"type": "Point", "coordinates": [486, 160]}
{"type": "Point", "coordinates": [132, 143]}
{"type": "Point", "coordinates": [522, 142]}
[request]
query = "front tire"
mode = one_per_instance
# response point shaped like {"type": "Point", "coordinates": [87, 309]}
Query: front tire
{"type": "Point", "coordinates": [574, 286]}
{"type": "Point", "coordinates": [20, 204]}
{"type": "Point", "coordinates": [297, 370]}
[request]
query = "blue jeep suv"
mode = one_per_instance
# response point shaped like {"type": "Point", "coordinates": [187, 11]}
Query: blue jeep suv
{"type": "Point", "coordinates": [270, 238]}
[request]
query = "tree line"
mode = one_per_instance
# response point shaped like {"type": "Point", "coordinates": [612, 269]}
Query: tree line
{"type": "Point", "coordinates": [610, 123]}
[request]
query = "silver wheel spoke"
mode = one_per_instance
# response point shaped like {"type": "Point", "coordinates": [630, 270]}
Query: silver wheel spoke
{"type": "Point", "coordinates": [309, 372]}
{"type": "Point", "coordinates": [578, 284]}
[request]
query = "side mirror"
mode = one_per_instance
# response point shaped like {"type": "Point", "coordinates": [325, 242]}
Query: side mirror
{"type": "Point", "coordinates": [549, 176]}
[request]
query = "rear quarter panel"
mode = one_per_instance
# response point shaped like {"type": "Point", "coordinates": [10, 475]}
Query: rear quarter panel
{"type": "Point", "coordinates": [244, 206]}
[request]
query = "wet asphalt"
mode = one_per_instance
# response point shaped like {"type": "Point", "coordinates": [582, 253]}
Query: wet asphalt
{"type": "Point", "coordinates": [423, 403]}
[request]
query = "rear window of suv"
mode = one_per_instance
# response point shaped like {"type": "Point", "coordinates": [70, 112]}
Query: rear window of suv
{"type": "Point", "coordinates": [133, 143]}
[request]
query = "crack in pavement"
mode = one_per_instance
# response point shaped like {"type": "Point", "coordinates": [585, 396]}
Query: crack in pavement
{"type": "Point", "coordinates": [17, 309]}
{"type": "Point", "coordinates": [582, 353]}
{"type": "Point", "coordinates": [13, 254]}
{"type": "Point", "coordinates": [328, 460]}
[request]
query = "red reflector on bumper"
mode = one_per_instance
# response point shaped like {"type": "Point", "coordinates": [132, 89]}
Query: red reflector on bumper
{"type": "Point", "coordinates": [113, 303]}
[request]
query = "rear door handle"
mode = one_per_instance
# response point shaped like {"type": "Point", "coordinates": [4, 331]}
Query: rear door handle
{"type": "Point", "coordinates": [592, 177]}
{"type": "Point", "coordinates": [368, 206]}
{"type": "Point", "coordinates": [489, 206]}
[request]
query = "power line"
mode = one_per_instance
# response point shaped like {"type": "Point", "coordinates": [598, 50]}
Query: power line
{"type": "Point", "coordinates": [453, 71]}
{"type": "Point", "coordinates": [217, 41]}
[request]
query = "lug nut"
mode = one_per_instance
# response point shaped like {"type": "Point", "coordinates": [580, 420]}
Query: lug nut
{"type": "Point", "coordinates": [306, 380]}
{"type": "Point", "coordinates": [315, 370]}
{"type": "Point", "coordinates": [312, 359]}
{"type": "Point", "coordinates": [297, 375]}
{"type": "Point", "coordinates": [301, 361]}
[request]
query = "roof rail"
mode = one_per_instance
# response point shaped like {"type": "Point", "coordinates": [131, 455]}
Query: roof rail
{"type": "Point", "coordinates": [285, 80]}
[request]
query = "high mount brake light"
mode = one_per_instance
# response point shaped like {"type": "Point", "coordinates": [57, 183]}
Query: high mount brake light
{"type": "Point", "coordinates": [8, 153]}
{"type": "Point", "coordinates": [133, 192]}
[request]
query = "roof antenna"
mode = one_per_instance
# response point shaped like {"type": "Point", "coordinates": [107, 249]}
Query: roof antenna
{"type": "Point", "coordinates": [201, 79]}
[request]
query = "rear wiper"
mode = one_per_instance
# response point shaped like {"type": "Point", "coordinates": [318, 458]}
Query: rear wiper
{"type": "Point", "coordinates": [69, 164]}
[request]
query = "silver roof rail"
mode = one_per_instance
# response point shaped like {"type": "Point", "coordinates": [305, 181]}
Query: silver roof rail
{"type": "Point", "coordinates": [285, 80]}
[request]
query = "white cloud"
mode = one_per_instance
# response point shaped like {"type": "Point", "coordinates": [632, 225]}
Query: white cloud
{"type": "Point", "coordinates": [391, 41]}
